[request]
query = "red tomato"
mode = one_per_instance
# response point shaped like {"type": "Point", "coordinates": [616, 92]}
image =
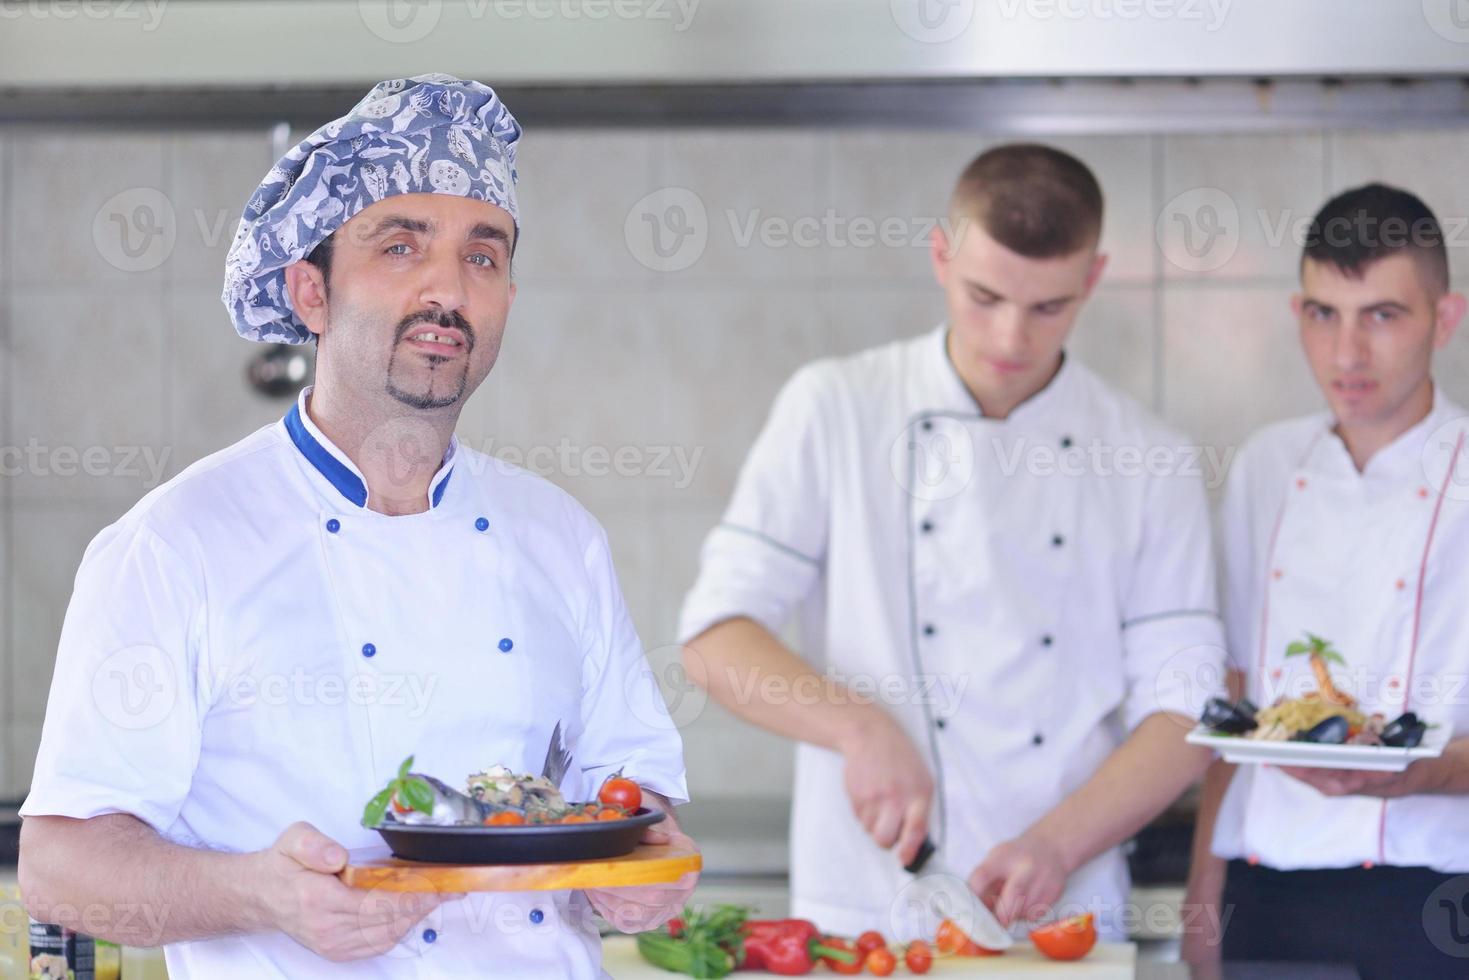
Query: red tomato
{"type": "Point", "coordinates": [881, 962]}
{"type": "Point", "coordinates": [918, 957]}
{"type": "Point", "coordinates": [950, 938]}
{"type": "Point", "coordinates": [1069, 939]}
{"type": "Point", "coordinates": [621, 791]}
{"type": "Point", "coordinates": [954, 941]}
{"type": "Point", "coordinates": [870, 940]}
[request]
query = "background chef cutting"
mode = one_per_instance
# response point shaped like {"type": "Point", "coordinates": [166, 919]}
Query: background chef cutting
{"type": "Point", "coordinates": [1352, 524]}
{"type": "Point", "coordinates": [930, 510]}
{"type": "Point", "coordinates": [354, 543]}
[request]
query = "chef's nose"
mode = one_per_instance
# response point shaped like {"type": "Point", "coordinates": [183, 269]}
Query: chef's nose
{"type": "Point", "coordinates": [1351, 347]}
{"type": "Point", "coordinates": [1009, 331]}
{"type": "Point", "coordinates": [443, 283]}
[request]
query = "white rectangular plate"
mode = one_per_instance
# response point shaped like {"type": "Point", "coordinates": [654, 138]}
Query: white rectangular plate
{"type": "Point", "coordinates": [1382, 758]}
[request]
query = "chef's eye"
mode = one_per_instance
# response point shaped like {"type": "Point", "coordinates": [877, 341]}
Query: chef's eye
{"type": "Point", "coordinates": [488, 263]}
{"type": "Point", "coordinates": [981, 299]}
{"type": "Point", "coordinates": [1319, 313]}
{"type": "Point", "coordinates": [403, 245]}
{"type": "Point", "coordinates": [1383, 316]}
{"type": "Point", "coordinates": [1051, 309]}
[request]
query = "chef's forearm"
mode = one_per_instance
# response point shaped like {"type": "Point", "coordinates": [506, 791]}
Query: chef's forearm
{"type": "Point", "coordinates": [114, 878]}
{"type": "Point", "coordinates": [749, 671]}
{"type": "Point", "coordinates": [1447, 775]}
{"type": "Point", "coordinates": [1136, 783]}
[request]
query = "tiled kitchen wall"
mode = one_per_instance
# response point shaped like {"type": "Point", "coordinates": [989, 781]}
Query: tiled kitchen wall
{"type": "Point", "coordinates": [606, 350]}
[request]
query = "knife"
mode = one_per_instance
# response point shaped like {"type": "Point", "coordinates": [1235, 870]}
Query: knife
{"type": "Point", "coordinates": [937, 893]}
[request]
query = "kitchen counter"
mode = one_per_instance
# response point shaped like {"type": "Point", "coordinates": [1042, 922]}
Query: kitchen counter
{"type": "Point", "coordinates": [1108, 961]}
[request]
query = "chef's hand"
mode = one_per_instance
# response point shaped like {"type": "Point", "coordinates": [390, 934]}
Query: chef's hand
{"type": "Point", "coordinates": [888, 784]}
{"type": "Point", "coordinates": [1360, 782]}
{"type": "Point", "coordinates": [300, 895]}
{"type": "Point", "coordinates": [645, 907]}
{"type": "Point", "coordinates": [1020, 879]}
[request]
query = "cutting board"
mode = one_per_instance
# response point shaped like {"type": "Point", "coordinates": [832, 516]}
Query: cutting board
{"type": "Point", "coordinates": [649, 864]}
{"type": "Point", "coordinates": [1108, 961]}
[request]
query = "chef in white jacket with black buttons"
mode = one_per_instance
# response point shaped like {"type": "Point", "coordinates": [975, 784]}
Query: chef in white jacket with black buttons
{"type": "Point", "coordinates": [999, 569]}
{"type": "Point", "coordinates": [1352, 524]}
{"type": "Point", "coordinates": [252, 650]}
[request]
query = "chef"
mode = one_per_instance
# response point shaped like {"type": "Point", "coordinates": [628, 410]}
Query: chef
{"type": "Point", "coordinates": [252, 650]}
{"type": "Point", "coordinates": [999, 571]}
{"type": "Point", "coordinates": [1352, 524]}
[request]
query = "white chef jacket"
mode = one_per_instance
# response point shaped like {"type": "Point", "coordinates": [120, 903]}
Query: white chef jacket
{"type": "Point", "coordinates": [250, 646]}
{"type": "Point", "coordinates": [1375, 562]}
{"type": "Point", "coordinates": [1020, 593]}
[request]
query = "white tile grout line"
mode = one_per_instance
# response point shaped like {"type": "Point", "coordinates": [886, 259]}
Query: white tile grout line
{"type": "Point", "coordinates": [7, 524]}
{"type": "Point", "coordinates": [1160, 334]}
{"type": "Point", "coordinates": [165, 288]}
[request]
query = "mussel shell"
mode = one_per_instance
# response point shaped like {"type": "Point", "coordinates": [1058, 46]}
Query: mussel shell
{"type": "Point", "coordinates": [1329, 731]}
{"type": "Point", "coordinates": [1229, 719]}
{"type": "Point", "coordinates": [1404, 732]}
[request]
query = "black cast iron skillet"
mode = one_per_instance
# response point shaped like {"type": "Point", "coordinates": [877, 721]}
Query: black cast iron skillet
{"type": "Point", "coordinates": [529, 844]}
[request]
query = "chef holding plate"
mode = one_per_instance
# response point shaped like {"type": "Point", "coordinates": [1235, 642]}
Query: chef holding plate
{"type": "Point", "coordinates": [1007, 619]}
{"type": "Point", "coordinates": [252, 650]}
{"type": "Point", "coordinates": [1351, 526]}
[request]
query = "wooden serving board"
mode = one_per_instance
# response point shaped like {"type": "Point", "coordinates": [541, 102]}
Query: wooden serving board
{"type": "Point", "coordinates": [649, 864]}
{"type": "Point", "coordinates": [1106, 961]}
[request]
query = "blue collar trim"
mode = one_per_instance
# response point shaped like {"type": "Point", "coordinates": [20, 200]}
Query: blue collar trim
{"type": "Point", "coordinates": [348, 484]}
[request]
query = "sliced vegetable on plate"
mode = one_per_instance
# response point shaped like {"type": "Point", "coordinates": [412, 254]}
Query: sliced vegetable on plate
{"type": "Point", "coordinates": [1068, 939]}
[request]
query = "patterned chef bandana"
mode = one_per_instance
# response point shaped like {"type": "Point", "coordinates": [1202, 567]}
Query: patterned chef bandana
{"type": "Point", "coordinates": [427, 134]}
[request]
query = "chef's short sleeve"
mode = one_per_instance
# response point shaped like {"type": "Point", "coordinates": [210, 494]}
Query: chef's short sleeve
{"type": "Point", "coordinates": [768, 551]}
{"type": "Point", "coordinates": [1173, 644]}
{"type": "Point", "coordinates": [626, 723]}
{"type": "Point", "coordinates": [122, 728]}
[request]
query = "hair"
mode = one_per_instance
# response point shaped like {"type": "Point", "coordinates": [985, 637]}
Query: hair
{"type": "Point", "coordinates": [1369, 223]}
{"type": "Point", "coordinates": [1035, 200]}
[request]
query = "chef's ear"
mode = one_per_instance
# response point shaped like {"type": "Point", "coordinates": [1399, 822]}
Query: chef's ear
{"type": "Point", "coordinates": [1094, 274]}
{"type": "Point", "coordinates": [1450, 313]}
{"type": "Point", "coordinates": [1297, 304]}
{"type": "Point", "coordinates": [940, 251]}
{"type": "Point", "coordinates": [306, 286]}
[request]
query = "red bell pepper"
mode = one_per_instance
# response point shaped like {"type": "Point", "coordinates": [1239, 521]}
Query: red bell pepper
{"type": "Point", "coordinates": [790, 947]}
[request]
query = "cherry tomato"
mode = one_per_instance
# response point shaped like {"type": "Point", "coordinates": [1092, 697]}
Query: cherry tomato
{"type": "Point", "coordinates": [870, 940]}
{"type": "Point", "coordinates": [881, 962]}
{"type": "Point", "coordinates": [918, 957]}
{"type": "Point", "coordinates": [1069, 939]}
{"type": "Point", "coordinates": [505, 818]}
{"type": "Point", "coordinates": [950, 938]}
{"type": "Point", "coordinates": [610, 813]}
{"type": "Point", "coordinates": [620, 791]}
{"type": "Point", "coordinates": [398, 807]}
{"type": "Point", "coordinates": [575, 818]}
{"type": "Point", "coordinates": [954, 941]}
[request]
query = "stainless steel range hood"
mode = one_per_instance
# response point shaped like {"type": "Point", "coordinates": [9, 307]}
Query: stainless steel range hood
{"type": "Point", "coordinates": [256, 59]}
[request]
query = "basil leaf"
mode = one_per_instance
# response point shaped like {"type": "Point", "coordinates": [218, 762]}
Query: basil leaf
{"type": "Point", "coordinates": [377, 808]}
{"type": "Point", "coordinates": [417, 794]}
{"type": "Point", "coordinates": [407, 765]}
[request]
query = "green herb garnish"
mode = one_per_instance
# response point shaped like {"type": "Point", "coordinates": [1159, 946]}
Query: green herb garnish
{"type": "Point", "coordinates": [411, 791]}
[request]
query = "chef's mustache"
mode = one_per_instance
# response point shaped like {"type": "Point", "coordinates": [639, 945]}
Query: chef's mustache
{"type": "Point", "coordinates": [439, 318]}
